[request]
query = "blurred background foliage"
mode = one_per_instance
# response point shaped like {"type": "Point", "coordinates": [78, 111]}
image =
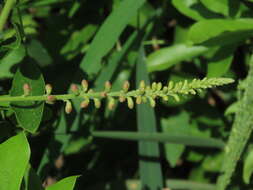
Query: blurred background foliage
{"type": "Point", "coordinates": [120, 40]}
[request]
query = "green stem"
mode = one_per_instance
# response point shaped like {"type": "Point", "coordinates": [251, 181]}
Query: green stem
{"type": "Point", "coordinates": [239, 136]}
{"type": "Point", "coordinates": [5, 12]}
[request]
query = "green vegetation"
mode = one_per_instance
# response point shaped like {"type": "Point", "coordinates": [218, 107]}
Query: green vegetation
{"type": "Point", "coordinates": [82, 81]}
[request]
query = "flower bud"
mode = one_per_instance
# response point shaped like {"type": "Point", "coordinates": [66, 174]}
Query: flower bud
{"type": "Point", "coordinates": [126, 86]}
{"type": "Point", "coordinates": [68, 107]}
{"type": "Point", "coordinates": [142, 86]}
{"type": "Point", "coordinates": [153, 86]}
{"type": "Point", "coordinates": [138, 100]}
{"type": "Point", "coordinates": [108, 86]}
{"type": "Point", "coordinates": [152, 102]}
{"type": "Point", "coordinates": [170, 85]}
{"type": "Point", "coordinates": [176, 97]}
{"type": "Point", "coordinates": [85, 103]}
{"type": "Point", "coordinates": [165, 98]}
{"type": "Point", "coordinates": [85, 85]}
{"type": "Point", "coordinates": [97, 103]}
{"type": "Point", "coordinates": [27, 89]}
{"type": "Point", "coordinates": [48, 88]}
{"type": "Point", "coordinates": [159, 86]}
{"type": "Point", "coordinates": [130, 103]}
{"type": "Point", "coordinates": [111, 103]}
{"type": "Point", "coordinates": [122, 99]}
{"type": "Point", "coordinates": [74, 88]}
{"type": "Point", "coordinates": [165, 89]}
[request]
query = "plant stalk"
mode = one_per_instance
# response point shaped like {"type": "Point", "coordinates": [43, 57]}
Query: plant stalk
{"type": "Point", "coordinates": [239, 136]}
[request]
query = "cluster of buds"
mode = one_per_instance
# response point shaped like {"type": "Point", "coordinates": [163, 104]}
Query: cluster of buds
{"type": "Point", "coordinates": [144, 93]}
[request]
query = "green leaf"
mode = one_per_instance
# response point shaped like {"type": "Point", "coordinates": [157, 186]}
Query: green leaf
{"type": "Point", "coordinates": [14, 158]}
{"type": "Point", "coordinates": [9, 60]}
{"type": "Point", "coordinates": [248, 167]}
{"type": "Point", "coordinates": [193, 9]}
{"type": "Point", "coordinates": [67, 183]}
{"type": "Point", "coordinates": [161, 137]}
{"type": "Point", "coordinates": [176, 125]}
{"type": "Point", "coordinates": [108, 34]}
{"type": "Point", "coordinates": [167, 57]}
{"type": "Point", "coordinates": [39, 53]}
{"type": "Point", "coordinates": [213, 163]}
{"type": "Point", "coordinates": [28, 113]}
{"type": "Point", "coordinates": [220, 31]}
{"type": "Point", "coordinates": [225, 7]}
{"type": "Point", "coordinates": [149, 154]}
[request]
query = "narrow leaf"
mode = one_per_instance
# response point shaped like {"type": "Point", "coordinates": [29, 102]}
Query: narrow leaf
{"type": "Point", "coordinates": [149, 154]}
{"type": "Point", "coordinates": [167, 57]}
{"type": "Point", "coordinates": [220, 31]}
{"type": "Point", "coordinates": [108, 34]}
{"type": "Point", "coordinates": [161, 137]}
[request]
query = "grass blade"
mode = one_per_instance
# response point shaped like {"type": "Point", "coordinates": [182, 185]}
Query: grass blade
{"type": "Point", "coordinates": [150, 168]}
{"type": "Point", "coordinates": [108, 34]}
{"type": "Point", "coordinates": [162, 138]}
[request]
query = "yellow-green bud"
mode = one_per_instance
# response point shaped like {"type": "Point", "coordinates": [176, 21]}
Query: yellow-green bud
{"type": "Point", "coordinates": [153, 86]}
{"type": "Point", "coordinates": [111, 103]}
{"type": "Point", "coordinates": [85, 85]}
{"type": "Point", "coordinates": [27, 89]}
{"type": "Point", "coordinates": [48, 88]}
{"type": "Point", "coordinates": [126, 86]}
{"type": "Point", "coordinates": [176, 97]}
{"type": "Point", "coordinates": [165, 98]}
{"type": "Point", "coordinates": [159, 86]}
{"type": "Point", "coordinates": [144, 99]}
{"type": "Point", "coordinates": [130, 103]}
{"type": "Point", "coordinates": [170, 85]}
{"type": "Point", "coordinates": [138, 100]}
{"type": "Point", "coordinates": [97, 103]}
{"type": "Point", "coordinates": [142, 86]}
{"type": "Point", "coordinates": [165, 89]}
{"type": "Point", "coordinates": [108, 86]}
{"type": "Point", "coordinates": [68, 107]}
{"type": "Point", "coordinates": [85, 103]}
{"type": "Point", "coordinates": [122, 99]}
{"type": "Point", "coordinates": [152, 102]}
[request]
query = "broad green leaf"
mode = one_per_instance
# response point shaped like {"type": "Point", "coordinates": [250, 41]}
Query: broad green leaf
{"type": "Point", "coordinates": [225, 7]}
{"type": "Point", "coordinates": [36, 50]}
{"type": "Point", "coordinates": [167, 57]}
{"type": "Point", "coordinates": [220, 31]}
{"type": "Point", "coordinates": [161, 137]}
{"type": "Point", "coordinates": [108, 34]}
{"type": "Point", "coordinates": [9, 60]}
{"type": "Point", "coordinates": [14, 158]}
{"type": "Point", "coordinates": [248, 167]}
{"type": "Point", "coordinates": [176, 125]}
{"type": "Point", "coordinates": [67, 183]}
{"type": "Point", "coordinates": [193, 9]}
{"type": "Point", "coordinates": [28, 113]}
{"type": "Point", "coordinates": [149, 153]}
